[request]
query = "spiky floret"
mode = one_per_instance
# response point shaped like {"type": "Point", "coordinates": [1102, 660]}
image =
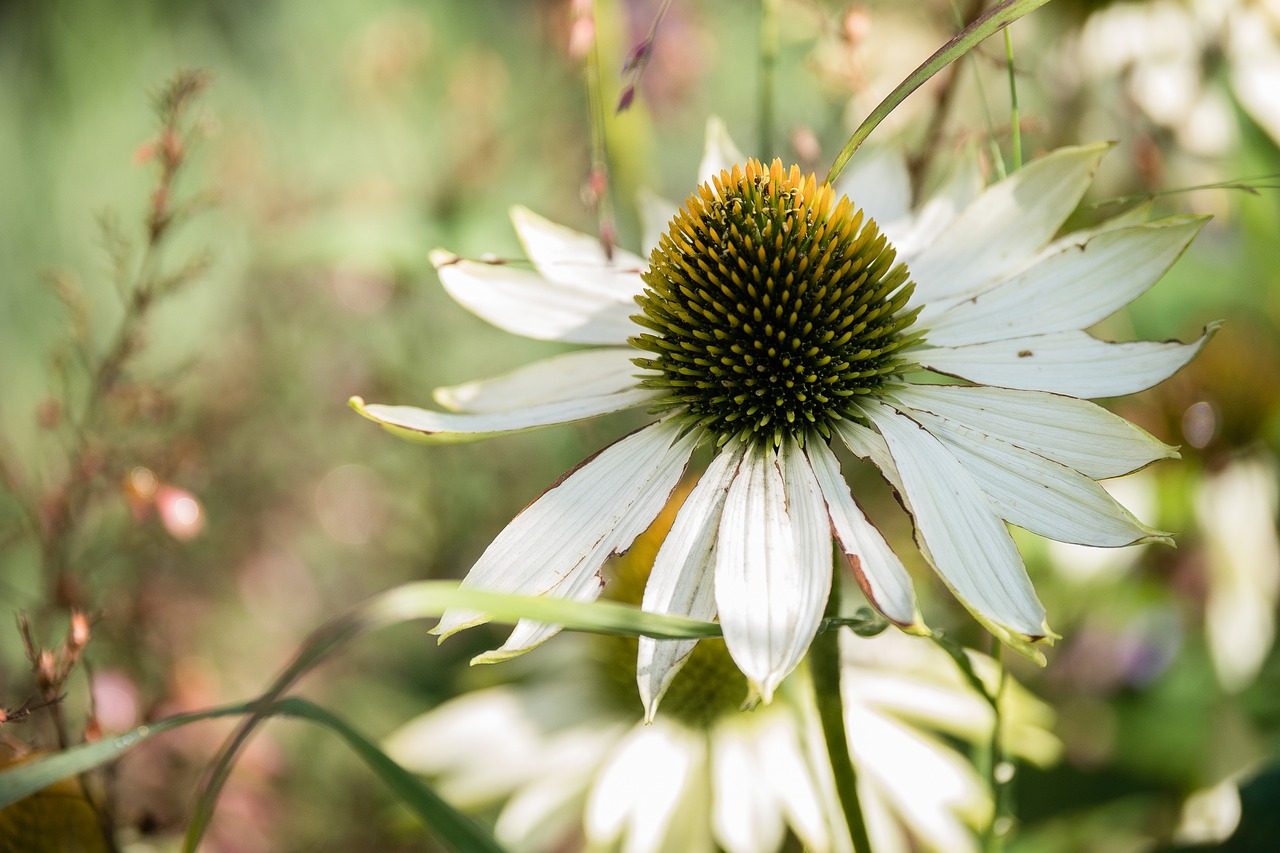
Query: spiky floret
{"type": "Point", "coordinates": [773, 307]}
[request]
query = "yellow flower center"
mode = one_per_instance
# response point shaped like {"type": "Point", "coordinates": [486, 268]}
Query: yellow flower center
{"type": "Point", "coordinates": [772, 307]}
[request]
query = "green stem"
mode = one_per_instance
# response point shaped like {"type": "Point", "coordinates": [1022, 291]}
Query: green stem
{"type": "Point", "coordinates": [769, 38]}
{"type": "Point", "coordinates": [997, 158]}
{"type": "Point", "coordinates": [997, 18]}
{"type": "Point", "coordinates": [1016, 124]}
{"type": "Point", "coordinates": [824, 662]}
{"type": "Point", "coordinates": [993, 835]}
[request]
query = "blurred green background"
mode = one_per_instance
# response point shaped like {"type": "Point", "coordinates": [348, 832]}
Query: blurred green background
{"type": "Point", "coordinates": [341, 142]}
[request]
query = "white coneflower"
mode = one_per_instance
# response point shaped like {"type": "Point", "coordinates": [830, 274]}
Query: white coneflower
{"type": "Point", "coordinates": [775, 317]}
{"type": "Point", "coordinates": [565, 755]}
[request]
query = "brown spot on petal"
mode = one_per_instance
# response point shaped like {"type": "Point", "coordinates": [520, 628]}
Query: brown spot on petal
{"type": "Point", "coordinates": [855, 565]}
{"type": "Point", "coordinates": [1025, 353]}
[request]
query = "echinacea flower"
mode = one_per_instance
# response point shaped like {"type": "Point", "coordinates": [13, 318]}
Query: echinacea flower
{"type": "Point", "coordinates": [564, 755]}
{"type": "Point", "coordinates": [777, 316]}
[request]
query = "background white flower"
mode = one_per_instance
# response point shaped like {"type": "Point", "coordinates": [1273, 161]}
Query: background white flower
{"type": "Point", "coordinates": [1236, 509]}
{"type": "Point", "coordinates": [995, 299]}
{"type": "Point", "coordinates": [561, 761]}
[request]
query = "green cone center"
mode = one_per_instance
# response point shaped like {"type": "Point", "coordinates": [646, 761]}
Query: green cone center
{"type": "Point", "coordinates": [772, 307]}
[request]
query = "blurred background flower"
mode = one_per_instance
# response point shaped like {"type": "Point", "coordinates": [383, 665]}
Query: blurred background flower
{"type": "Point", "coordinates": [565, 757]}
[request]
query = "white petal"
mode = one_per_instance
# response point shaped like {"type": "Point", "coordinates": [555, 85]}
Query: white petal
{"type": "Point", "coordinates": [1071, 363]}
{"type": "Point", "coordinates": [1073, 289]}
{"type": "Point", "coordinates": [784, 769]}
{"type": "Point", "coordinates": [929, 796]}
{"type": "Point", "coordinates": [772, 564]}
{"type": "Point", "coordinates": [548, 808]}
{"type": "Point", "coordinates": [869, 444]}
{"type": "Point", "coordinates": [878, 570]}
{"type": "Point", "coordinates": [565, 535]}
{"type": "Point", "coordinates": [525, 303]}
{"type": "Point", "coordinates": [744, 818]}
{"type": "Point", "coordinates": [1236, 508]}
{"type": "Point", "coordinates": [572, 375]}
{"type": "Point", "coordinates": [1076, 433]}
{"type": "Point", "coordinates": [911, 235]}
{"type": "Point", "coordinates": [719, 153]}
{"type": "Point", "coordinates": [578, 261]}
{"type": "Point", "coordinates": [639, 789]}
{"type": "Point", "coordinates": [1139, 214]}
{"type": "Point", "coordinates": [656, 214]}
{"type": "Point", "coordinates": [681, 582]}
{"type": "Point", "coordinates": [1006, 225]}
{"type": "Point", "coordinates": [960, 532]}
{"type": "Point", "coordinates": [451, 427]}
{"type": "Point", "coordinates": [481, 746]}
{"type": "Point", "coordinates": [1034, 493]}
{"type": "Point", "coordinates": [876, 180]}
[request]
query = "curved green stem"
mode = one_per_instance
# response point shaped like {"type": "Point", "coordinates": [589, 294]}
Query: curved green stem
{"type": "Point", "coordinates": [997, 779]}
{"type": "Point", "coordinates": [1015, 121]}
{"type": "Point", "coordinates": [997, 18]}
{"type": "Point", "coordinates": [824, 663]}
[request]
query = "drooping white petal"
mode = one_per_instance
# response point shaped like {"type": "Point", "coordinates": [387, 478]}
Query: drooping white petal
{"type": "Point", "coordinates": [744, 818]}
{"type": "Point", "coordinates": [578, 261]}
{"type": "Point", "coordinates": [958, 529]}
{"type": "Point", "coordinates": [719, 152]}
{"type": "Point", "coordinates": [639, 790]}
{"type": "Point", "coordinates": [1014, 217]}
{"type": "Point", "coordinates": [573, 375]}
{"type": "Point", "coordinates": [1073, 289]}
{"type": "Point", "coordinates": [452, 428]}
{"type": "Point", "coordinates": [1039, 495]}
{"type": "Point", "coordinates": [1076, 433]}
{"type": "Point", "coordinates": [681, 582]}
{"type": "Point", "coordinates": [877, 181]}
{"type": "Point", "coordinates": [558, 543]}
{"type": "Point", "coordinates": [869, 444]}
{"type": "Point", "coordinates": [772, 564]}
{"type": "Point", "coordinates": [1071, 363]}
{"type": "Point", "coordinates": [525, 303]}
{"type": "Point", "coordinates": [878, 570]}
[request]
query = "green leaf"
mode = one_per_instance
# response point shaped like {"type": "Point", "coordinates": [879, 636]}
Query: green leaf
{"type": "Point", "coordinates": [454, 828]}
{"type": "Point", "coordinates": [27, 779]}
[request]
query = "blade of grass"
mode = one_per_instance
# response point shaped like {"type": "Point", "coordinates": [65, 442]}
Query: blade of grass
{"type": "Point", "coordinates": [993, 21]}
{"type": "Point", "coordinates": [426, 599]}
{"type": "Point", "coordinates": [454, 828]}
{"type": "Point", "coordinates": [458, 831]}
{"type": "Point", "coordinates": [423, 600]}
{"type": "Point", "coordinates": [40, 773]}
